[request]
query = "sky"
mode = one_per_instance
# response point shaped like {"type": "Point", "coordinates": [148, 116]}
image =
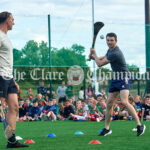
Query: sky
{"type": "Point", "coordinates": [71, 22]}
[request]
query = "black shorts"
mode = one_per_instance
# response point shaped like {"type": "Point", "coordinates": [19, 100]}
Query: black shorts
{"type": "Point", "coordinates": [119, 84]}
{"type": "Point", "coordinates": [7, 86]}
{"type": "Point", "coordinates": [62, 99]}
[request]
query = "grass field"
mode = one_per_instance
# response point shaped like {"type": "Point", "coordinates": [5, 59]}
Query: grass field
{"type": "Point", "coordinates": [122, 138]}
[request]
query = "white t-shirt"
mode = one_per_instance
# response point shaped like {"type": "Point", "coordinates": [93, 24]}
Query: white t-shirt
{"type": "Point", "coordinates": [86, 109]}
{"type": "Point", "coordinates": [6, 56]}
{"type": "Point", "coordinates": [81, 94]}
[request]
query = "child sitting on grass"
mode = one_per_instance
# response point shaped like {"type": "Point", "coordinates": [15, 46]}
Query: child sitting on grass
{"type": "Point", "coordinates": [46, 110]}
{"type": "Point", "coordinates": [21, 110]}
{"type": "Point", "coordinates": [4, 108]}
{"type": "Point", "coordinates": [34, 112]}
{"type": "Point", "coordinates": [79, 112]}
{"type": "Point", "coordinates": [137, 100]}
{"type": "Point", "coordinates": [101, 105]}
{"type": "Point", "coordinates": [90, 101]}
{"type": "Point", "coordinates": [85, 108]}
{"type": "Point", "coordinates": [27, 105]}
{"type": "Point", "coordinates": [56, 106]}
{"type": "Point", "coordinates": [116, 110]}
{"type": "Point", "coordinates": [53, 111]}
{"type": "Point", "coordinates": [71, 100]}
{"type": "Point", "coordinates": [61, 109]}
{"type": "Point", "coordinates": [67, 111]}
{"type": "Point", "coordinates": [30, 94]}
{"type": "Point", "coordinates": [94, 114]}
{"type": "Point", "coordinates": [40, 101]}
{"type": "Point", "coordinates": [146, 109]}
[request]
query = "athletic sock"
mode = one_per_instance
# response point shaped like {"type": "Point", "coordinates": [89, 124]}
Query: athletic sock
{"type": "Point", "coordinates": [12, 139]}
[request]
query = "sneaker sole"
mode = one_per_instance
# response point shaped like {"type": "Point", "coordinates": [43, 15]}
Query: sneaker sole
{"type": "Point", "coordinates": [110, 132]}
{"type": "Point", "coordinates": [143, 131]}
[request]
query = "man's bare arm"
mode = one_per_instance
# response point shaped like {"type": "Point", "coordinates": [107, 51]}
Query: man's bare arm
{"type": "Point", "coordinates": [17, 85]}
{"type": "Point", "coordinates": [100, 58]}
{"type": "Point", "coordinates": [101, 62]}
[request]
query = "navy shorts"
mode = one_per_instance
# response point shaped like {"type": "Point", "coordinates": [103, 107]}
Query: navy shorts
{"type": "Point", "coordinates": [119, 84]}
{"type": "Point", "coordinates": [7, 86]}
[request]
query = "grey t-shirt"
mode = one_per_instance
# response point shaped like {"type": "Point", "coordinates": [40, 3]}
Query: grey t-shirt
{"type": "Point", "coordinates": [61, 91]}
{"type": "Point", "coordinates": [117, 60]}
{"type": "Point", "coordinates": [6, 56]}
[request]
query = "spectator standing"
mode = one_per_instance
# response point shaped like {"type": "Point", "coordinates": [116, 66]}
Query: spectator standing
{"type": "Point", "coordinates": [41, 89]}
{"type": "Point", "coordinates": [81, 93]}
{"type": "Point", "coordinates": [61, 92]}
{"type": "Point", "coordinates": [89, 92]}
{"type": "Point", "coordinates": [69, 90]}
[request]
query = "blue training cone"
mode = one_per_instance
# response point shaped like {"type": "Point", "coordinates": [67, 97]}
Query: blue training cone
{"type": "Point", "coordinates": [79, 133]}
{"type": "Point", "coordinates": [51, 135]}
{"type": "Point", "coordinates": [100, 131]}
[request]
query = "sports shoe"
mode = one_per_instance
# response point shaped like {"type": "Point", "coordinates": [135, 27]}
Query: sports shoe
{"type": "Point", "coordinates": [16, 145]}
{"type": "Point", "coordinates": [97, 119]}
{"type": "Point", "coordinates": [105, 132]}
{"type": "Point", "coordinates": [140, 130]}
{"type": "Point", "coordinates": [134, 129]}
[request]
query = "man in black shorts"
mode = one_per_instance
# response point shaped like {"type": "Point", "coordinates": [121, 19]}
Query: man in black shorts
{"type": "Point", "coordinates": [8, 87]}
{"type": "Point", "coordinates": [119, 83]}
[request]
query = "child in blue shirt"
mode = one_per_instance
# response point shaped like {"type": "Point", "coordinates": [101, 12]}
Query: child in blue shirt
{"type": "Point", "coordinates": [34, 112]}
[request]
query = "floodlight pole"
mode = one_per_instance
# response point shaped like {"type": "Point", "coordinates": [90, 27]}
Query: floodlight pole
{"type": "Point", "coordinates": [49, 41]}
{"type": "Point", "coordinates": [147, 37]}
{"type": "Point", "coordinates": [94, 69]}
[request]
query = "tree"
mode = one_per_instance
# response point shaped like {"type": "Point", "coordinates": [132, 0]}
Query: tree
{"type": "Point", "coordinates": [133, 68]}
{"type": "Point", "coordinates": [34, 54]}
{"type": "Point", "coordinates": [69, 56]}
{"type": "Point", "coordinates": [43, 54]}
{"type": "Point", "coordinates": [17, 56]}
{"type": "Point", "coordinates": [78, 49]}
{"type": "Point", "coordinates": [31, 54]}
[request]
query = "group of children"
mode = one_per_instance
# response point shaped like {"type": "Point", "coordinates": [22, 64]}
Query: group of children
{"type": "Point", "coordinates": [38, 109]}
{"type": "Point", "coordinates": [89, 110]}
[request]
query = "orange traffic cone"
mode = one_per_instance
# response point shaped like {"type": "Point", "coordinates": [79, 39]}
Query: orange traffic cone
{"type": "Point", "coordinates": [95, 142]}
{"type": "Point", "coordinates": [29, 141]}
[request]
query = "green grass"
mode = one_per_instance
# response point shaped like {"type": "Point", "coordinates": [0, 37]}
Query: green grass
{"type": "Point", "coordinates": [122, 138]}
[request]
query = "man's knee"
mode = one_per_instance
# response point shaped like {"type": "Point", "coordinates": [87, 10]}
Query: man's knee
{"type": "Point", "coordinates": [14, 108]}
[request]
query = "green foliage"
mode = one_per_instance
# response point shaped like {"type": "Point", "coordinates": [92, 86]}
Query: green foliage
{"type": "Point", "coordinates": [78, 49]}
{"type": "Point", "coordinates": [17, 56]}
{"type": "Point", "coordinates": [34, 54]}
{"type": "Point", "coordinates": [31, 54]}
{"type": "Point", "coordinates": [43, 54]}
{"type": "Point", "coordinates": [67, 57]}
{"type": "Point", "coordinates": [133, 68]}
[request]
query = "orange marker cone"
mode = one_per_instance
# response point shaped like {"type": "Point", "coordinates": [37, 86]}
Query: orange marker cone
{"type": "Point", "coordinates": [95, 142]}
{"type": "Point", "coordinates": [29, 141]}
